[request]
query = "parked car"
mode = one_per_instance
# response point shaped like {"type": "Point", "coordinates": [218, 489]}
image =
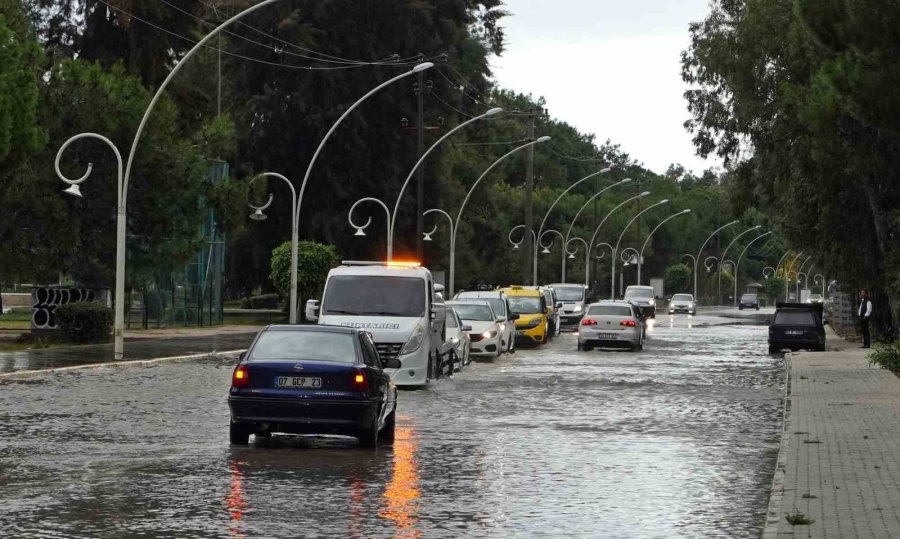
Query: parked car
{"type": "Point", "coordinates": [642, 296]}
{"type": "Point", "coordinates": [797, 326]}
{"type": "Point", "coordinates": [530, 309]}
{"type": "Point", "coordinates": [748, 301]}
{"type": "Point", "coordinates": [574, 298]}
{"type": "Point", "coordinates": [814, 298]}
{"type": "Point", "coordinates": [500, 304]}
{"type": "Point", "coordinates": [484, 323]}
{"type": "Point", "coordinates": [611, 324]}
{"type": "Point", "coordinates": [313, 380]}
{"type": "Point", "coordinates": [683, 303]}
{"type": "Point", "coordinates": [552, 308]}
{"type": "Point", "coordinates": [458, 335]}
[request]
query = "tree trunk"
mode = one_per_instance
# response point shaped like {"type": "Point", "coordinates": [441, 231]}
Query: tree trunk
{"type": "Point", "coordinates": [886, 319]}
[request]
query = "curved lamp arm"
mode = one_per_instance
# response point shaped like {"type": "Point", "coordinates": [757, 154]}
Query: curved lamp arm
{"type": "Point", "coordinates": [520, 242]}
{"type": "Point", "coordinates": [770, 274]}
{"type": "Point", "coordinates": [546, 248]}
{"type": "Point", "coordinates": [359, 229]}
{"type": "Point", "coordinates": [441, 212]}
{"type": "Point", "coordinates": [608, 246]}
{"type": "Point", "coordinates": [594, 197]}
{"type": "Point", "coordinates": [626, 201]}
{"type": "Point", "coordinates": [269, 202]}
{"type": "Point", "coordinates": [625, 259]}
{"type": "Point", "coordinates": [692, 257]}
{"type": "Point", "coordinates": [73, 184]}
{"type": "Point", "coordinates": [573, 186]}
{"type": "Point", "coordinates": [574, 240]}
{"type": "Point", "coordinates": [707, 265]}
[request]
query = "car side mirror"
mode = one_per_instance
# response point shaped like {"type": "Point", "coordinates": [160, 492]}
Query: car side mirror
{"type": "Point", "coordinates": [241, 356]}
{"type": "Point", "coordinates": [515, 316]}
{"type": "Point", "coordinates": [466, 328]}
{"type": "Point", "coordinates": [559, 305]}
{"type": "Point", "coordinates": [312, 310]}
{"type": "Point", "coordinates": [501, 319]}
{"type": "Point", "coordinates": [392, 363]}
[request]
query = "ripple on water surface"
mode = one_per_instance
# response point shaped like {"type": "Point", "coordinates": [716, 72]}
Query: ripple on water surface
{"type": "Point", "coordinates": [678, 440]}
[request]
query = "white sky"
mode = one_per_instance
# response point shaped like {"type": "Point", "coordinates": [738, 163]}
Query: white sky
{"type": "Point", "coordinates": [608, 67]}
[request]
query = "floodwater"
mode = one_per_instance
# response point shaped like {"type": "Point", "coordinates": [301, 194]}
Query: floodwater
{"type": "Point", "coordinates": [676, 441]}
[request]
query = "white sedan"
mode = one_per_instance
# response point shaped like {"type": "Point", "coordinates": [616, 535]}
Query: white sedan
{"type": "Point", "coordinates": [611, 324]}
{"type": "Point", "coordinates": [485, 333]}
{"type": "Point", "coordinates": [458, 334]}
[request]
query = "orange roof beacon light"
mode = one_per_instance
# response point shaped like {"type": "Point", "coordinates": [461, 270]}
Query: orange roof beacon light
{"type": "Point", "coordinates": [403, 264]}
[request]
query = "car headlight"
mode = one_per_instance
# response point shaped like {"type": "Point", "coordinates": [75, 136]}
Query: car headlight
{"type": "Point", "coordinates": [691, 305]}
{"type": "Point", "coordinates": [652, 302]}
{"type": "Point", "coordinates": [577, 309]}
{"type": "Point", "coordinates": [415, 341]}
{"type": "Point", "coordinates": [489, 334]}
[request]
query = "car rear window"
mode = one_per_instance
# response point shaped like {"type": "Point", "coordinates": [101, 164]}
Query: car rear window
{"type": "Point", "coordinates": [299, 345]}
{"type": "Point", "coordinates": [642, 293]}
{"type": "Point", "coordinates": [475, 312]}
{"type": "Point", "coordinates": [749, 297]}
{"type": "Point", "coordinates": [610, 310]}
{"type": "Point", "coordinates": [795, 318]}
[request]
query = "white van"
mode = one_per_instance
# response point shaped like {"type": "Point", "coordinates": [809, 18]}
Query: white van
{"type": "Point", "coordinates": [398, 304]}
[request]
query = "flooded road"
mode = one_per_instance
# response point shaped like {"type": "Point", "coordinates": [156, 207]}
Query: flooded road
{"type": "Point", "coordinates": [676, 441]}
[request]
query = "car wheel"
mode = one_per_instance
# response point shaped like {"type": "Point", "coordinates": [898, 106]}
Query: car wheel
{"type": "Point", "coordinates": [587, 347]}
{"type": "Point", "coordinates": [387, 433]}
{"type": "Point", "coordinates": [238, 434]}
{"type": "Point", "coordinates": [368, 438]}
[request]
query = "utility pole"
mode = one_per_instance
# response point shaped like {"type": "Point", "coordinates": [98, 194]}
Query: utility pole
{"type": "Point", "coordinates": [420, 149]}
{"type": "Point", "coordinates": [529, 188]}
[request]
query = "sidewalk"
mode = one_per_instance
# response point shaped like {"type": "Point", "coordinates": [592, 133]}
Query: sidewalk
{"type": "Point", "coordinates": [839, 463]}
{"type": "Point", "coordinates": [151, 345]}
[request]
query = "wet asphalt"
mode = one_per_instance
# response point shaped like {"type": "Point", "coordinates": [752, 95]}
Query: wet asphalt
{"type": "Point", "coordinates": [679, 440]}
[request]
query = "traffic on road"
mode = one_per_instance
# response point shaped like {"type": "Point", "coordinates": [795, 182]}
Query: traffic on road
{"type": "Point", "coordinates": [675, 440]}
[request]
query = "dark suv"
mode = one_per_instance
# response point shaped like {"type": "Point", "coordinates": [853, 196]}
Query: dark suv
{"type": "Point", "coordinates": [797, 326]}
{"type": "Point", "coordinates": [749, 301]}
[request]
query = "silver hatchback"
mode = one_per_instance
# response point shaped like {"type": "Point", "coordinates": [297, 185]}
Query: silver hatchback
{"type": "Point", "coordinates": [611, 324]}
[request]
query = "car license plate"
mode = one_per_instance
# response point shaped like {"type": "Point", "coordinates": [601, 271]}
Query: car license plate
{"type": "Point", "coordinates": [297, 381]}
{"type": "Point", "coordinates": [794, 332]}
{"type": "Point", "coordinates": [608, 336]}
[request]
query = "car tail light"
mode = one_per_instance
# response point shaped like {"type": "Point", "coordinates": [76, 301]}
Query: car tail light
{"type": "Point", "coordinates": [241, 377]}
{"type": "Point", "coordinates": [359, 381]}
{"type": "Point", "coordinates": [588, 322]}
{"type": "Point", "coordinates": [628, 323]}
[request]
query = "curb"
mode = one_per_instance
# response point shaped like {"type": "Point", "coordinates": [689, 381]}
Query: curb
{"type": "Point", "coordinates": [776, 493]}
{"type": "Point", "coordinates": [21, 375]}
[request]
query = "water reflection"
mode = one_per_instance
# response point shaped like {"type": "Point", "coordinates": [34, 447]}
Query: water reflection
{"type": "Point", "coordinates": [236, 502]}
{"type": "Point", "coordinates": [402, 493]}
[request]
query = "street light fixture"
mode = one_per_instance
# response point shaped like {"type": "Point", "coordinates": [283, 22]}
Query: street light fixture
{"type": "Point", "coordinates": [258, 215]}
{"type": "Point", "coordinates": [452, 235]}
{"type": "Point", "coordinates": [647, 241]}
{"type": "Point", "coordinates": [738, 263]}
{"type": "Point", "coordinates": [593, 243]}
{"type": "Point", "coordinates": [492, 112]}
{"type": "Point", "coordinates": [571, 256]}
{"type": "Point", "coordinates": [550, 209]}
{"type": "Point", "coordinates": [722, 256]}
{"type": "Point", "coordinates": [700, 252]}
{"type": "Point", "coordinates": [469, 195]}
{"type": "Point", "coordinates": [360, 229]}
{"type": "Point", "coordinates": [622, 235]}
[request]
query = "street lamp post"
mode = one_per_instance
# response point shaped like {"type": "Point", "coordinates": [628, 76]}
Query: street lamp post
{"type": "Point", "coordinates": [767, 275]}
{"type": "Point", "coordinates": [647, 241]}
{"type": "Point", "coordinates": [600, 256]}
{"type": "Point", "coordinates": [572, 257]}
{"type": "Point", "coordinates": [787, 274]}
{"type": "Point", "coordinates": [738, 263]}
{"type": "Point", "coordinates": [546, 215]}
{"type": "Point", "coordinates": [700, 253]}
{"type": "Point", "coordinates": [587, 203]}
{"type": "Point", "coordinates": [719, 275]}
{"type": "Point", "coordinates": [393, 218]}
{"type": "Point", "coordinates": [452, 230]}
{"type": "Point", "coordinates": [121, 200]}
{"type": "Point", "coordinates": [592, 243]}
{"type": "Point", "coordinates": [258, 215]}
{"type": "Point", "coordinates": [622, 235]}
{"type": "Point", "coordinates": [821, 279]}
{"type": "Point", "coordinates": [123, 178]}
{"type": "Point", "coordinates": [360, 230]}
{"type": "Point", "coordinates": [469, 195]}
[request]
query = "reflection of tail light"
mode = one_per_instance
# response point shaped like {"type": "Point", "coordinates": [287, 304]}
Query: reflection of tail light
{"type": "Point", "coordinates": [402, 492]}
{"type": "Point", "coordinates": [236, 502]}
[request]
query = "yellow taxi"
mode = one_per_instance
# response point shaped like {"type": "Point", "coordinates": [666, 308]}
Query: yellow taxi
{"type": "Point", "coordinates": [530, 305]}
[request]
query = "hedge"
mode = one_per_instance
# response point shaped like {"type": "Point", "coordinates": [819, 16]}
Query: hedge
{"type": "Point", "coordinates": [85, 321]}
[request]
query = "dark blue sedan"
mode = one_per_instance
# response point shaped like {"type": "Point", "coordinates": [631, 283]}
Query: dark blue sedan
{"type": "Point", "coordinates": [313, 380]}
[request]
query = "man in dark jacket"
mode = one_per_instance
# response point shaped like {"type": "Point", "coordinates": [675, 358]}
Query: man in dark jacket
{"type": "Point", "coordinates": [865, 313]}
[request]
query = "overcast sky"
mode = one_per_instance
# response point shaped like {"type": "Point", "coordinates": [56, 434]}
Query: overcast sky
{"type": "Point", "coordinates": [611, 68]}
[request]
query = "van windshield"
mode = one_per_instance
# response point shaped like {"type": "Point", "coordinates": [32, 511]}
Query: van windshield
{"type": "Point", "coordinates": [374, 295]}
{"type": "Point", "coordinates": [569, 293]}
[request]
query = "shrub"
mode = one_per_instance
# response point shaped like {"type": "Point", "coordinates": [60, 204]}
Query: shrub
{"type": "Point", "coordinates": [886, 356]}
{"type": "Point", "coordinates": [85, 321]}
{"type": "Point", "coordinates": [264, 301]}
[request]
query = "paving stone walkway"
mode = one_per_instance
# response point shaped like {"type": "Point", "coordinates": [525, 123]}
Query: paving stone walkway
{"type": "Point", "coordinates": [839, 463]}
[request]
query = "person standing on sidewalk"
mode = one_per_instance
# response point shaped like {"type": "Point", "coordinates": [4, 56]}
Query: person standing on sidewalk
{"type": "Point", "coordinates": [865, 313]}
